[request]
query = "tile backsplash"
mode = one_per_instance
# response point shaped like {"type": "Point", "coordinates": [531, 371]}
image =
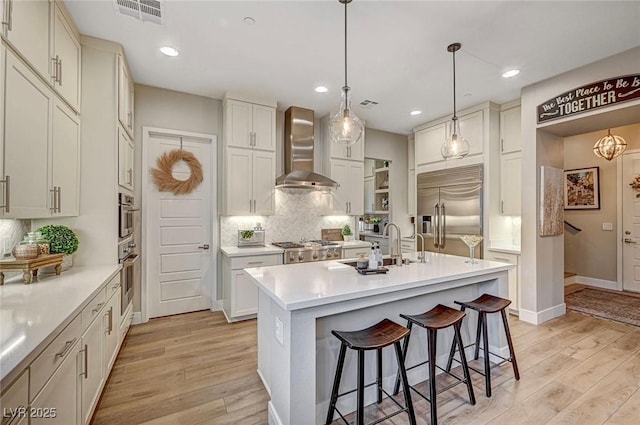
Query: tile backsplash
{"type": "Point", "coordinates": [11, 232]}
{"type": "Point", "coordinates": [298, 215]}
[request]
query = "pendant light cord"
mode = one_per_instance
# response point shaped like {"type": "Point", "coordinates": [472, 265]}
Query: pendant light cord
{"type": "Point", "coordinates": [454, 86]}
{"type": "Point", "coordinates": [345, 44]}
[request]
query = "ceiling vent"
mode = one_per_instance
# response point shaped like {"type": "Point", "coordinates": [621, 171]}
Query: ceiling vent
{"type": "Point", "coordinates": [369, 104]}
{"type": "Point", "coordinates": [143, 10]}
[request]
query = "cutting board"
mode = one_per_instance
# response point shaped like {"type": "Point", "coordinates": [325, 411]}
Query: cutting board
{"type": "Point", "coordinates": [332, 234]}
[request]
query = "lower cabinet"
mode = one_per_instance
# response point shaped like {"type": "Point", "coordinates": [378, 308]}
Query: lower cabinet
{"type": "Point", "coordinates": [92, 367]}
{"type": "Point", "coordinates": [514, 275]}
{"type": "Point", "coordinates": [356, 252]}
{"type": "Point", "coordinates": [112, 330]}
{"type": "Point", "coordinates": [239, 293]}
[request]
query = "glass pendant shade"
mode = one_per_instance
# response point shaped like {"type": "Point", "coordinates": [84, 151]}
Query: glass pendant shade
{"type": "Point", "coordinates": [609, 146]}
{"type": "Point", "coordinates": [455, 146]}
{"type": "Point", "coordinates": [345, 127]}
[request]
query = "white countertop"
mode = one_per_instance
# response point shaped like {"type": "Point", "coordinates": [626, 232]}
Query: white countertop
{"type": "Point", "coordinates": [355, 244]}
{"type": "Point", "coordinates": [32, 315]}
{"type": "Point", "coordinates": [298, 286]}
{"type": "Point", "coordinates": [234, 251]}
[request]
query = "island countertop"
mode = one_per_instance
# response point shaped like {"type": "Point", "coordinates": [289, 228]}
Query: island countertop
{"type": "Point", "coordinates": [305, 285]}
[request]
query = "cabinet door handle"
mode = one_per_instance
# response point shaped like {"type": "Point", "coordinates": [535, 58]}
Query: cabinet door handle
{"type": "Point", "coordinates": [59, 71]}
{"type": "Point", "coordinates": [501, 207]}
{"type": "Point", "coordinates": [129, 176]}
{"type": "Point", "coordinates": [98, 307]}
{"type": "Point", "coordinates": [205, 246]}
{"type": "Point", "coordinates": [346, 207]}
{"type": "Point", "coordinates": [55, 69]}
{"type": "Point", "coordinates": [254, 206]}
{"type": "Point", "coordinates": [85, 352]}
{"type": "Point", "coordinates": [250, 206]}
{"type": "Point", "coordinates": [66, 348]}
{"type": "Point", "coordinates": [255, 262]}
{"type": "Point", "coordinates": [7, 193]}
{"type": "Point", "coordinates": [9, 21]}
{"type": "Point", "coordinates": [59, 199]}
{"type": "Point", "coordinates": [116, 286]}
{"type": "Point", "coordinates": [110, 313]}
{"type": "Point", "coordinates": [53, 200]}
{"type": "Point", "coordinates": [435, 228]}
{"type": "Point", "coordinates": [501, 145]}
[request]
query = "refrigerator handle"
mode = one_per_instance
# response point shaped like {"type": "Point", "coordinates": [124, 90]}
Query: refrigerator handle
{"type": "Point", "coordinates": [436, 225]}
{"type": "Point", "coordinates": [442, 222]}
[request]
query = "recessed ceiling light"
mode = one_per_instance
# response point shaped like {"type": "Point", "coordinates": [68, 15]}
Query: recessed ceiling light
{"type": "Point", "coordinates": [169, 51]}
{"type": "Point", "coordinates": [249, 20]}
{"type": "Point", "coordinates": [321, 89]}
{"type": "Point", "coordinates": [415, 112]}
{"type": "Point", "coordinates": [510, 73]}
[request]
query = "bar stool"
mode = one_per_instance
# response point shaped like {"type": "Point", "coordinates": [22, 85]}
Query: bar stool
{"type": "Point", "coordinates": [439, 317]}
{"type": "Point", "coordinates": [486, 304]}
{"type": "Point", "coordinates": [376, 338]}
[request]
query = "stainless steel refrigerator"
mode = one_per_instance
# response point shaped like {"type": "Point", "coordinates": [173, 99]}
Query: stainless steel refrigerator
{"type": "Point", "coordinates": [450, 205]}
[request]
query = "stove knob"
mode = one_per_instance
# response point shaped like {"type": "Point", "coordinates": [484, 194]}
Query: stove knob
{"type": "Point", "coordinates": [328, 254]}
{"type": "Point", "coordinates": [315, 255]}
{"type": "Point", "coordinates": [291, 257]}
{"type": "Point", "coordinates": [300, 257]}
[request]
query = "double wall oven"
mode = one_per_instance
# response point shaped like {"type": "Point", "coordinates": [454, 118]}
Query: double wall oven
{"type": "Point", "coordinates": [127, 255]}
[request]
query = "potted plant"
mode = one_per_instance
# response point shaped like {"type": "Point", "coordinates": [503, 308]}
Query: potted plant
{"type": "Point", "coordinates": [346, 233]}
{"type": "Point", "coordinates": [376, 224]}
{"type": "Point", "coordinates": [62, 240]}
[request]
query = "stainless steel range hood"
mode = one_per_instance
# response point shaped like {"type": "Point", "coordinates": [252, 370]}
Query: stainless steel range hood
{"type": "Point", "coordinates": [298, 153]}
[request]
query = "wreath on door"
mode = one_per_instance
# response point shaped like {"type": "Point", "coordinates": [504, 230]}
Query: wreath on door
{"type": "Point", "coordinates": [163, 173]}
{"type": "Point", "coordinates": [635, 185]}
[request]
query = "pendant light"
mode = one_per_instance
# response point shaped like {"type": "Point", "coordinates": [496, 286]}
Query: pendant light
{"type": "Point", "coordinates": [610, 146]}
{"type": "Point", "coordinates": [345, 127]}
{"type": "Point", "coordinates": [455, 146]}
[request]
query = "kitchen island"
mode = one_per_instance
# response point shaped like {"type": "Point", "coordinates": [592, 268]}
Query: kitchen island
{"type": "Point", "coordinates": [299, 305]}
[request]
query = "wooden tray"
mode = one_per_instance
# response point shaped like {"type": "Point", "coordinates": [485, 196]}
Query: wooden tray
{"type": "Point", "coordinates": [379, 270]}
{"type": "Point", "coordinates": [30, 267]}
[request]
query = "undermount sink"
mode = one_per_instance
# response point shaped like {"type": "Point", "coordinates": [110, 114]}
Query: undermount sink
{"type": "Point", "coordinates": [385, 262]}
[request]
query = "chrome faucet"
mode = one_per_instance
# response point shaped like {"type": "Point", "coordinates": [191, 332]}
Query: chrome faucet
{"type": "Point", "coordinates": [398, 256]}
{"type": "Point", "coordinates": [421, 254]}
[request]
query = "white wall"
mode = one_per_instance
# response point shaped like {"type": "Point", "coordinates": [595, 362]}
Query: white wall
{"type": "Point", "coordinates": [543, 257]}
{"type": "Point", "coordinates": [393, 147]}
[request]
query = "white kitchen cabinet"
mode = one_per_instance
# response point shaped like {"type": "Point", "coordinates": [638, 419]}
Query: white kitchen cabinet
{"type": "Point", "coordinates": [472, 129]}
{"type": "Point", "coordinates": [27, 125]}
{"type": "Point", "coordinates": [353, 152]}
{"type": "Point", "coordinates": [356, 252]}
{"type": "Point", "coordinates": [250, 178]}
{"type": "Point", "coordinates": [15, 400]}
{"type": "Point", "coordinates": [407, 245]}
{"type": "Point", "coordinates": [27, 29]}
{"type": "Point", "coordinates": [411, 192]}
{"type": "Point", "coordinates": [112, 330]}
{"type": "Point", "coordinates": [65, 58]}
{"type": "Point", "coordinates": [239, 293]}
{"type": "Point", "coordinates": [125, 96]}
{"type": "Point", "coordinates": [126, 152]}
{"type": "Point", "coordinates": [248, 125]}
{"type": "Point", "coordinates": [510, 130]}
{"type": "Point", "coordinates": [65, 164]}
{"type": "Point", "coordinates": [514, 275]}
{"type": "Point", "coordinates": [428, 143]}
{"type": "Point", "coordinates": [510, 183]}
{"type": "Point", "coordinates": [369, 195]}
{"type": "Point", "coordinates": [93, 370]}
{"type": "Point", "coordinates": [57, 403]}
{"type": "Point", "coordinates": [348, 198]}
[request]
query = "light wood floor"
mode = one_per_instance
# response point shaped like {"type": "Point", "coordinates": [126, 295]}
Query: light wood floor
{"type": "Point", "coordinates": [197, 369]}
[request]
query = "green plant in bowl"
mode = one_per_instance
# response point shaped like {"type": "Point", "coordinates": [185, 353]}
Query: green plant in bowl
{"type": "Point", "coordinates": [246, 234]}
{"type": "Point", "coordinates": [346, 230]}
{"type": "Point", "coordinates": [62, 240]}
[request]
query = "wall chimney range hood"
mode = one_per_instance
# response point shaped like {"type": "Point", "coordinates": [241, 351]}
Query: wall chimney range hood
{"type": "Point", "coordinates": [298, 153]}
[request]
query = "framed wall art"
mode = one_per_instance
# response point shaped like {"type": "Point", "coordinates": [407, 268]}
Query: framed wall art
{"type": "Point", "coordinates": [582, 189]}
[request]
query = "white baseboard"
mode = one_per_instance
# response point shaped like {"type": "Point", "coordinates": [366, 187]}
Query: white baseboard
{"type": "Point", "coordinates": [274, 419]}
{"type": "Point", "coordinates": [264, 382]}
{"type": "Point", "coordinates": [137, 318]}
{"type": "Point", "coordinates": [542, 316]}
{"type": "Point", "coordinates": [216, 305]}
{"type": "Point", "coordinates": [597, 283]}
{"type": "Point", "coordinates": [570, 280]}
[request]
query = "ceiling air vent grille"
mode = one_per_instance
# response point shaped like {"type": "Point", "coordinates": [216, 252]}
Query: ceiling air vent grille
{"type": "Point", "coordinates": [143, 10]}
{"type": "Point", "coordinates": [369, 104]}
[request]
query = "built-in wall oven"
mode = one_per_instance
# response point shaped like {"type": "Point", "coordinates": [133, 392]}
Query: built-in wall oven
{"type": "Point", "coordinates": [128, 258]}
{"type": "Point", "coordinates": [126, 210]}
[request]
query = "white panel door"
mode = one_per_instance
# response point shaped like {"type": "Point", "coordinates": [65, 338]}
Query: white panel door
{"type": "Point", "coordinates": [179, 239]}
{"type": "Point", "coordinates": [27, 116]}
{"type": "Point", "coordinates": [29, 32]}
{"type": "Point", "coordinates": [264, 177]}
{"type": "Point", "coordinates": [630, 224]}
{"type": "Point", "coordinates": [66, 159]}
{"type": "Point", "coordinates": [264, 127]}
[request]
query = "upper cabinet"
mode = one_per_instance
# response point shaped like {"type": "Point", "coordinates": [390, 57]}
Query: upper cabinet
{"type": "Point", "coordinates": [65, 59]}
{"type": "Point", "coordinates": [348, 198]}
{"type": "Point", "coordinates": [125, 96]}
{"type": "Point", "coordinates": [510, 130]}
{"type": "Point", "coordinates": [249, 125]}
{"type": "Point", "coordinates": [126, 152]}
{"type": "Point", "coordinates": [249, 168]}
{"type": "Point", "coordinates": [353, 152]}
{"type": "Point", "coordinates": [428, 142]}
{"type": "Point", "coordinates": [42, 34]}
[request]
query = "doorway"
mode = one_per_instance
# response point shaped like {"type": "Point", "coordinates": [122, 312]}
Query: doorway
{"type": "Point", "coordinates": [630, 222]}
{"type": "Point", "coordinates": [178, 231]}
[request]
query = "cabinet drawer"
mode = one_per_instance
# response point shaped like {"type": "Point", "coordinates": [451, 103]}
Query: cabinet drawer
{"type": "Point", "coordinates": [256, 261]}
{"type": "Point", "coordinates": [408, 246]}
{"type": "Point", "coordinates": [92, 310]}
{"type": "Point", "coordinates": [113, 286]}
{"type": "Point", "coordinates": [14, 399]}
{"type": "Point", "coordinates": [502, 257]}
{"type": "Point", "coordinates": [48, 361]}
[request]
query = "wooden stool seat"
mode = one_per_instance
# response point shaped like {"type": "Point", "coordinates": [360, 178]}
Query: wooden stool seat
{"type": "Point", "coordinates": [439, 317]}
{"type": "Point", "coordinates": [377, 336]}
{"type": "Point", "coordinates": [486, 304]}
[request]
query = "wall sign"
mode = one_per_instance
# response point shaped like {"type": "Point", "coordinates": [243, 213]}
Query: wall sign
{"type": "Point", "coordinates": [589, 97]}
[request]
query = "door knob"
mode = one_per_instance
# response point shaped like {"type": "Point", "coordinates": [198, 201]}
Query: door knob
{"type": "Point", "coordinates": [205, 246]}
{"type": "Point", "coordinates": [626, 232]}
{"type": "Point", "coordinates": [629, 241]}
